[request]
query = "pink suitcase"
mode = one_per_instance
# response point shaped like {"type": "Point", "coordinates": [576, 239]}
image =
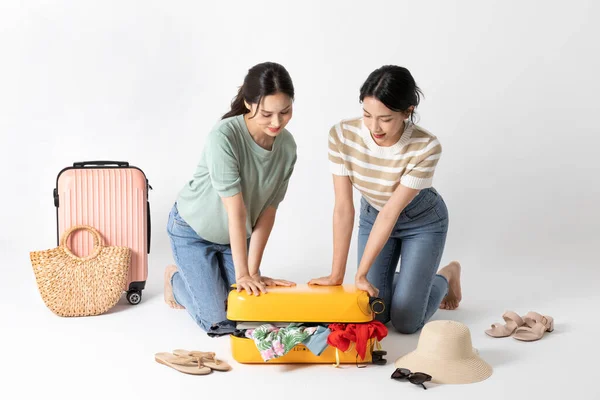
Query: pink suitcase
{"type": "Point", "coordinates": [111, 196]}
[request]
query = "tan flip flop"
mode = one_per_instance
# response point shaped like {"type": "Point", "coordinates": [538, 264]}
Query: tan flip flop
{"type": "Point", "coordinates": [513, 322]}
{"type": "Point", "coordinates": [187, 365]}
{"type": "Point", "coordinates": [207, 359]}
{"type": "Point", "coordinates": [537, 325]}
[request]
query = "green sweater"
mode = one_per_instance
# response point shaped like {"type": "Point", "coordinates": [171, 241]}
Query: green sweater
{"type": "Point", "coordinates": [232, 162]}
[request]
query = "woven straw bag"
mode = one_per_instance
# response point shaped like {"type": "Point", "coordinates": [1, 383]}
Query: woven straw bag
{"type": "Point", "coordinates": [73, 286]}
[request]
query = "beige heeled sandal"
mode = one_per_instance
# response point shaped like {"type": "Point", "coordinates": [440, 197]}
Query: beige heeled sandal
{"type": "Point", "coordinates": [207, 359]}
{"type": "Point", "coordinates": [513, 322]}
{"type": "Point", "coordinates": [537, 326]}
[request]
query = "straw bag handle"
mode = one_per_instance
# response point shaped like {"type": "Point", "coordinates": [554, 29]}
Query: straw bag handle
{"type": "Point", "coordinates": [95, 234]}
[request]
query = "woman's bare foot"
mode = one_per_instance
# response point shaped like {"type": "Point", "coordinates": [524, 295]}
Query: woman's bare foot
{"type": "Point", "coordinates": [452, 273]}
{"type": "Point", "coordinates": [169, 298]}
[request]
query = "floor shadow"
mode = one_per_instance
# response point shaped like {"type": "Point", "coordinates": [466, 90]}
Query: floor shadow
{"type": "Point", "coordinates": [294, 367]}
{"type": "Point", "coordinates": [148, 294]}
{"type": "Point", "coordinates": [124, 305]}
{"type": "Point", "coordinates": [398, 345]}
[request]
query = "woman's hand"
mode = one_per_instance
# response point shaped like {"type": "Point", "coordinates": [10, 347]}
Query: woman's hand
{"type": "Point", "coordinates": [363, 284]}
{"type": "Point", "coordinates": [265, 280]}
{"type": "Point", "coordinates": [250, 285]}
{"type": "Point", "coordinates": [328, 280]}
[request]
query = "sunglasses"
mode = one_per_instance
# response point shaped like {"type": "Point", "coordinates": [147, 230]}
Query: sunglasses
{"type": "Point", "coordinates": [417, 378]}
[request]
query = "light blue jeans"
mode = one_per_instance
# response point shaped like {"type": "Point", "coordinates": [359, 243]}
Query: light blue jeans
{"type": "Point", "coordinates": [413, 294]}
{"type": "Point", "coordinates": [204, 277]}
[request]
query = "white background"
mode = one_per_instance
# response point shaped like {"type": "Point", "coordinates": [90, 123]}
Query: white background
{"type": "Point", "coordinates": [510, 90]}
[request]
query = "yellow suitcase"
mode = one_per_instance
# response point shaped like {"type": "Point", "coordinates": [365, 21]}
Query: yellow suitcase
{"type": "Point", "coordinates": [301, 303]}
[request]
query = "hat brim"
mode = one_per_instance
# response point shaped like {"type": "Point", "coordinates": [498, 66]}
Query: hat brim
{"type": "Point", "coordinates": [469, 370]}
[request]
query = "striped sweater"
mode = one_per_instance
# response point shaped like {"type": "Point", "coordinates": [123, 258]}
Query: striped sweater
{"type": "Point", "coordinates": [376, 171]}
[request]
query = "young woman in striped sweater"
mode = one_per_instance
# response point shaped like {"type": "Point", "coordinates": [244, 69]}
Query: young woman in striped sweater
{"type": "Point", "coordinates": [391, 162]}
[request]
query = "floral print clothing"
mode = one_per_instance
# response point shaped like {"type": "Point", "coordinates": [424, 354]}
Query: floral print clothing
{"type": "Point", "coordinates": [273, 342]}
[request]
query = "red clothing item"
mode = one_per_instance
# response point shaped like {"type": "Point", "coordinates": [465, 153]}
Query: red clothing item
{"type": "Point", "coordinates": [343, 334]}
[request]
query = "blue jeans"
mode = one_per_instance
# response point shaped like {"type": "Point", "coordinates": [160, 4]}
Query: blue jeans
{"type": "Point", "coordinates": [413, 294]}
{"type": "Point", "coordinates": [204, 277]}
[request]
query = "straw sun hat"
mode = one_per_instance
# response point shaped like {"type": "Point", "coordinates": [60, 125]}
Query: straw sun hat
{"type": "Point", "coordinates": [446, 353]}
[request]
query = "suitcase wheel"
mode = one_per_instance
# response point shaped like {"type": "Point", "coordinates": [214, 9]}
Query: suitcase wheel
{"type": "Point", "coordinates": [134, 297]}
{"type": "Point", "coordinates": [377, 358]}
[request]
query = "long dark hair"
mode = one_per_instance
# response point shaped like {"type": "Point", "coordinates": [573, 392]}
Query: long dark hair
{"type": "Point", "coordinates": [394, 86]}
{"type": "Point", "coordinates": [262, 80]}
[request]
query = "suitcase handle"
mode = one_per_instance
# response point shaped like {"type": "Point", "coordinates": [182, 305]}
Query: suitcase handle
{"type": "Point", "coordinates": [149, 222]}
{"type": "Point", "coordinates": [83, 164]}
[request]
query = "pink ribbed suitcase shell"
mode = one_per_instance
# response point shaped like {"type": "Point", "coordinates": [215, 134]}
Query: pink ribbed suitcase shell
{"type": "Point", "coordinates": [112, 197]}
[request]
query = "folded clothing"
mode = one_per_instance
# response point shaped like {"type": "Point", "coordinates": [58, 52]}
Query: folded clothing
{"type": "Point", "coordinates": [274, 342]}
{"type": "Point", "coordinates": [317, 342]}
{"type": "Point", "coordinates": [342, 335]}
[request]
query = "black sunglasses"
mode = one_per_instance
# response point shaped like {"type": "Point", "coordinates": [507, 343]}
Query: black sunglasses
{"type": "Point", "coordinates": [417, 378]}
